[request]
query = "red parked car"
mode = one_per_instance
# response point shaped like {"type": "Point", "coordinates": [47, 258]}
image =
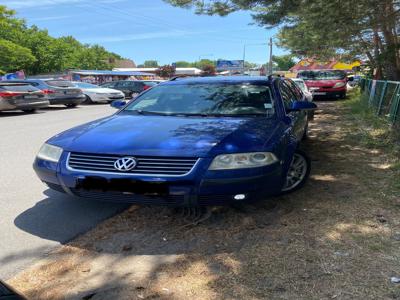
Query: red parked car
{"type": "Point", "coordinates": [329, 83]}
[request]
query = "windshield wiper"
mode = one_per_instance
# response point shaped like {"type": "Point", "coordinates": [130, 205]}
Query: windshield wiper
{"type": "Point", "coordinates": [144, 112]}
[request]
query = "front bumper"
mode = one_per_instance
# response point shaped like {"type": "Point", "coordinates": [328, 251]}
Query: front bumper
{"type": "Point", "coordinates": [106, 98]}
{"type": "Point", "coordinates": [199, 187]}
{"type": "Point", "coordinates": [67, 100]}
{"type": "Point", "coordinates": [329, 92]}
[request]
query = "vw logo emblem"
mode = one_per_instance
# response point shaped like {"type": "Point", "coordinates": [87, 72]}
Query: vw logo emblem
{"type": "Point", "coordinates": [125, 164]}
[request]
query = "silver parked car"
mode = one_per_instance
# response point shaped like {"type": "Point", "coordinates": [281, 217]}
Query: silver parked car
{"type": "Point", "coordinates": [21, 96]}
{"type": "Point", "coordinates": [96, 94]}
{"type": "Point", "coordinates": [58, 91]}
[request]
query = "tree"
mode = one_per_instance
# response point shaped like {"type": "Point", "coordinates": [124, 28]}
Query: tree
{"type": "Point", "coordinates": [208, 70]}
{"type": "Point", "coordinates": [283, 62]}
{"type": "Point", "coordinates": [203, 63]}
{"type": "Point", "coordinates": [365, 29]}
{"type": "Point", "coordinates": [50, 54]}
{"type": "Point", "coordinates": [14, 57]}
{"type": "Point", "coordinates": [183, 64]}
{"type": "Point", "coordinates": [150, 64]}
{"type": "Point", "coordinates": [166, 71]}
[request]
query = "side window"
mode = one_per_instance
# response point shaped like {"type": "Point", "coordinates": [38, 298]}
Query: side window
{"type": "Point", "coordinates": [295, 90]}
{"type": "Point", "coordinates": [109, 85]}
{"type": "Point", "coordinates": [136, 86]}
{"type": "Point", "coordinates": [286, 94]}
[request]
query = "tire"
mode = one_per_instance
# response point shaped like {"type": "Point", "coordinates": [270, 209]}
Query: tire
{"type": "Point", "coordinates": [88, 100]}
{"type": "Point", "coordinates": [29, 111]}
{"type": "Point", "coordinates": [72, 105]}
{"type": "Point", "coordinates": [305, 134]}
{"type": "Point", "coordinates": [303, 163]}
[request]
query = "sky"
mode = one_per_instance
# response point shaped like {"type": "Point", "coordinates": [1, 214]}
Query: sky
{"type": "Point", "coordinates": [149, 29]}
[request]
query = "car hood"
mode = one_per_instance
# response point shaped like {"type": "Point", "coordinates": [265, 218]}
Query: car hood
{"type": "Point", "coordinates": [169, 136]}
{"type": "Point", "coordinates": [101, 91]}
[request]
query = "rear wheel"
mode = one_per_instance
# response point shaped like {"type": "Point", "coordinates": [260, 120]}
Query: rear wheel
{"type": "Point", "coordinates": [298, 173]}
{"type": "Point", "coordinates": [29, 111]}
{"type": "Point", "coordinates": [72, 105]}
{"type": "Point", "coordinates": [88, 100]}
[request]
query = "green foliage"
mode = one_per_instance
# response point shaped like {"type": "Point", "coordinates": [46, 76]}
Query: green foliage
{"type": "Point", "coordinates": [283, 62]}
{"type": "Point", "coordinates": [201, 64]}
{"type": "Point", "coordinates": [364, 29]}
{"type": "Point", "coordinates": [150, 64]}
{"type": "Point", "coordinates": [35, 51]}
{"type": "Point", "coordinates": [14, 57]}
{"type": "Point", "coordinates": [183, 64]}
{"type": "Point", "coordinates": [208, 70]}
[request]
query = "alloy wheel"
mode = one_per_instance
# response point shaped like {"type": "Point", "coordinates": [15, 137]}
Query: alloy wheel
{"type": "Point", "coordinates": [297, 172]}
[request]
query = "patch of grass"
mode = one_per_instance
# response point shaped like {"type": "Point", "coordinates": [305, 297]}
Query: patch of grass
{"type": "Point", "coordinates": [372, 130]}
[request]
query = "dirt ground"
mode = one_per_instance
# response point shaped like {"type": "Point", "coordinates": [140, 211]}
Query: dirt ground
{"type": "Point", "coordinates": [337, 238]}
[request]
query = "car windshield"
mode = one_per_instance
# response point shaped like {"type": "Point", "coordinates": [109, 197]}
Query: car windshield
{"type": "Point", "coordinates": [205, 100]}
{"type": "Point", "coordinates": [18, 87]}
{"type": "Point", "coordinates": [85, 85]}
{"type": "Point", "coordinates": [60, 83]}
{"type": "Point", "coordinates": [322, 75]}
{"type": "Point", "coordinates": [150, 83]}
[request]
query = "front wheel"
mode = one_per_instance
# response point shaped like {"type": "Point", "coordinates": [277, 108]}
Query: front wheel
{"type": "Point", "coordinates": [72, 105]}
{"type": "Point", "coordinates": [29, 111]}
{"type": "Point", "coordinates": [298, 173]}
{"type": "Point", "coordinates": [88, 100]}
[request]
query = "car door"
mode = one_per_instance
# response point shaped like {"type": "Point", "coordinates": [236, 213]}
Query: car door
{"type": "Point", "coordinates": [125, 87]}
{"type": "Point", "coordinates": [299, 118]}
{"type": "Point", "coordinates": [110, 85]}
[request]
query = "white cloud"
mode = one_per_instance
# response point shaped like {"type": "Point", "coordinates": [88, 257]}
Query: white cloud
{"type": "Point", "coordinates": [140, 36]}
{"type": "Point", "coordinates": [50, 18]}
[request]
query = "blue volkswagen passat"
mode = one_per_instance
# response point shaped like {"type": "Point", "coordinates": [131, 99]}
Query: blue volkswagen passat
{"type": "Point", "coordinates": [193, 141]}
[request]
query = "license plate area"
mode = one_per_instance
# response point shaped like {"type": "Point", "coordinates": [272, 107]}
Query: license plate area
{"type": "Point", "coordinates": [319, 93]}
{"type": "Point", "coordinates": [122, 185]}
{"type": "Point", "coordinates": [31, 97]}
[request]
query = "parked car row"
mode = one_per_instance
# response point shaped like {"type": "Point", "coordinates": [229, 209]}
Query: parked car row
{"type": "Point", "coordinates": [31, 94]}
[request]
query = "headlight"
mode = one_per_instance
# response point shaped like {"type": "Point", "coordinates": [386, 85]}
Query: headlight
{"type": "Point", "coordinates": [242, 160]}
{"type": "Point", "coordinates": [339, 85]}
{"type": "Point", "coordinates": [50, 153]}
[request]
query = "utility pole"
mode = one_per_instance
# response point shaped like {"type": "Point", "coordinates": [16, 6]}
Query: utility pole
{"type": "Point", "coordinates": [270, 56]}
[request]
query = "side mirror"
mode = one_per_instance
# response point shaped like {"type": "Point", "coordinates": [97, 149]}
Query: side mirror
{"type": "Point", "coordinates": [350, 78]}
{"type": "Point", "coordinates": [118, 104]}
{"type": "Point", "coordinates": [303, 105]}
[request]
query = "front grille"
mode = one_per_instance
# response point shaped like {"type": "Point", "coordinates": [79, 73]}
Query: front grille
{"type": "Point", "coordinates": [170, 166]}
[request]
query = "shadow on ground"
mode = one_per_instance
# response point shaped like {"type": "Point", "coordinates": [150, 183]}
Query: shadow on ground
{"type": "Point", "coordinates": [332, 239]}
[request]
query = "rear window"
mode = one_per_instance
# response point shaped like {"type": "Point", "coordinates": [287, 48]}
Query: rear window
{"type": "Point", "coordinates": [150, 83]}
{"type": "Point", "coordinates": [60, 83]}
{"type": "Point", "coordinates": [18, 88]}
{"type": "Point", "coordinates": [322, 75]}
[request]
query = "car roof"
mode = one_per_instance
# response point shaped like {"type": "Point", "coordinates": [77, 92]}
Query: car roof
{"type": "Point", "coordinates": [218, 79]}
